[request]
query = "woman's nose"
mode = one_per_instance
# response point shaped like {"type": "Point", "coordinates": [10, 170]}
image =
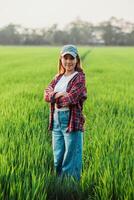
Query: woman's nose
{"type": "Point", "coordinates": [68, 60]}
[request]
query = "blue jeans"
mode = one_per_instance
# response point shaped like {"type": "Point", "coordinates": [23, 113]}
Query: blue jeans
{"type": "Point", "coordinates": [67, 147]}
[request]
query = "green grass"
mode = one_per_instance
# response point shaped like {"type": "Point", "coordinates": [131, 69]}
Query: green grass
{"type": "Point", "coordinates": [26, 160]}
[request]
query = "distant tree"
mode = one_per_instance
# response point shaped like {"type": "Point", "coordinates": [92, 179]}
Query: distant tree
{"type": "Point", "coordinates": [61, 37]}
{"type": "Point", "coordinates": [115, 32]}
{"type": "Point", "coordinates": [50, 33]}
{"type": "Point", "coordinates": [130, 38]}
{"type": "Point", "coordinates": [10, 35]}
{"type": "Point", "coordinates": [80, 32]}
{"type": "Point", "coordinates": [112, 32]}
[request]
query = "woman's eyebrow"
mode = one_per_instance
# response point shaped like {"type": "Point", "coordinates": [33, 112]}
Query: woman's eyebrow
{"type": "Point", "coordinates": [66, 56]}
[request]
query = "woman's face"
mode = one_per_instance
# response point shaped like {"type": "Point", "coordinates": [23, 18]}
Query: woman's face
{"type": "Point", "coordinates": [68, 62]}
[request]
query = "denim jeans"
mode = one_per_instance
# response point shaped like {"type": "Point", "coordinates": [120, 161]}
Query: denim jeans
{"type": "Point", "coordinates": [67, 147]}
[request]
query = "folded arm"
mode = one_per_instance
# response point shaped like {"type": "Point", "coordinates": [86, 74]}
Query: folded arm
{"type": "Point", "coordinates": [77, 92]}
{"type": "Point", "coordinates": [49, 92]}
{"type": "Point", "coordinates": [50, 95]}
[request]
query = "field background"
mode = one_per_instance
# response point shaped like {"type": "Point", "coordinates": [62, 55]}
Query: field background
{"type": "Point", "coordinates": [26, 160]}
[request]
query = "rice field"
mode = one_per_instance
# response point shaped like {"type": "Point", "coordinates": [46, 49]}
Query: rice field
{"type": "Point", "coordinates": [26, 160]}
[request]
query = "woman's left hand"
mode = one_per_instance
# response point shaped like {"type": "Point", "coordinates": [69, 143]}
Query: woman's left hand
{"type": "Point", "coordinates": [49, 89]}
{"type": "Point", "coordinates": [60, 94]}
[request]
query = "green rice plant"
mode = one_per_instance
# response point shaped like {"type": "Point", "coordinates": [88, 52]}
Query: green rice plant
{"type": "Point", "coordinates": [26, 159]}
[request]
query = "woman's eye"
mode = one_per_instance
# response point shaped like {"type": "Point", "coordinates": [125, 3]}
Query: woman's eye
{"type": "Point", "coordinates": [72, 58]}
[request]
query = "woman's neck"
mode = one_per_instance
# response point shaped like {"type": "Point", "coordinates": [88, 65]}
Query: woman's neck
{"type": "Point", "coordinates": [67, 73]}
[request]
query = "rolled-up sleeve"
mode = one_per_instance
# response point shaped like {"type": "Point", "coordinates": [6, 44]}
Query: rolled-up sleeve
{"type": "Point", "coordinates": [50, 96]}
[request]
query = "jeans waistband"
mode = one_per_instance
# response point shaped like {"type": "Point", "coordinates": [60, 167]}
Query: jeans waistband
{"type": "Point", "coordinates": [59, 110]}
{"type": "Point", "coordinates": [62, 109]}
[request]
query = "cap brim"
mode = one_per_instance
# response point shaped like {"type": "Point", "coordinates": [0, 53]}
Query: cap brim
{"type": "Point", "coordinates": [71, 53]}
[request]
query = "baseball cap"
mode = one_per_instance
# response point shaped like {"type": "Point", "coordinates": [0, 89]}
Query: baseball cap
{"type": "Point", "coordinates": [69, 49]}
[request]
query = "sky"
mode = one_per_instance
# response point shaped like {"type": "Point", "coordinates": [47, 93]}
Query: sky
{"type": "Point", "coordinates": [45, 13]}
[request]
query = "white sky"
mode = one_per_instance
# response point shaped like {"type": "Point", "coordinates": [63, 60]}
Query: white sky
{"type": "Point", "coordinates": [44, 13]}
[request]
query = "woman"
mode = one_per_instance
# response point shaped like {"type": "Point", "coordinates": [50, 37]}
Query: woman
{"type": "Point", "coordinates": [66, 94]}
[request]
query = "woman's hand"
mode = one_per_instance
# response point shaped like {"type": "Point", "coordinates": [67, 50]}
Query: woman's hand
{"type": "Point", "coordinates": [60, 94]}
{"type": "Point", "coordinates": [49, 89]}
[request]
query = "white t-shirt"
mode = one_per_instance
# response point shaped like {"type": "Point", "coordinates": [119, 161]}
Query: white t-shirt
{"type": "Point", "coordinates": [61, 86]}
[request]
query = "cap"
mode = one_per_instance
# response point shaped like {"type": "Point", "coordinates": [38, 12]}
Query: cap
{"type": "Point", "coordinates": [69, 49]}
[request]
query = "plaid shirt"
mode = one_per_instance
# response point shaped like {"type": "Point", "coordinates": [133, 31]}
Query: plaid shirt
{"type": "Point", "coordinates": [76, 95]}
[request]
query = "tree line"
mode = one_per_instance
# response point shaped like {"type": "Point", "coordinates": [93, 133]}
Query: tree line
{"type": "Point", "coordinates": [111, 32]}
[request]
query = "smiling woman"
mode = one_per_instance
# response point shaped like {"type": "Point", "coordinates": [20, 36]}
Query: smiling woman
{"type": "Point", "coordinates": [66, 95]}
{"type": "Point", "coordinates": [69, 63]}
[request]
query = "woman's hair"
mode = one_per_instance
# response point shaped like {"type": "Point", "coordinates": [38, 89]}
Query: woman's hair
{"type": "Point", "coordinates": [78, 67]}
